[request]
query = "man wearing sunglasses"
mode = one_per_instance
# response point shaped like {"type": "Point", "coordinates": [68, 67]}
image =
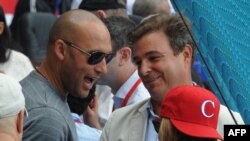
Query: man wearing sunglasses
{"type": "Point", "coordinates": [76, 58]}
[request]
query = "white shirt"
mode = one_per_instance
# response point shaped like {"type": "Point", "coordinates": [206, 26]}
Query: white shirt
{"type": "Point", "coordinates": [18, 65]}
{"type": "Point", "coordinates": [138, 95]}
{"type": "Point", "coordinates": [105, 102]}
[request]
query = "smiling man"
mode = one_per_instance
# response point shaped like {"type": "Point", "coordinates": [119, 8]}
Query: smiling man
{"type": "Point", "coordinates": [76, 59]}
{"type": "Point", "coordinates": [164, 53]}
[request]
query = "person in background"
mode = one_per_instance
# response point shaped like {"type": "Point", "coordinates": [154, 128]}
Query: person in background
{"type": "Point", "coordinates": [76, 58]}
{"type": "Point", "coordinates": [56, 7]}
{"type": "Point", "coordinates": [179, 123]}
{"type": "Point", "coordinates": [87, 129]}
{"type": "Point", "coordinates": [12, 62]}
{"type": "Point", "coordinates": [145, 8]}
{"type": "Point", "coordinates": [163, 51]}
{"type": "Point", "coordinates": [122, 74]}
{"type": "Point", "coordinates": [104, 8]}
{"type": "Point", "coordinates": [12, 109]}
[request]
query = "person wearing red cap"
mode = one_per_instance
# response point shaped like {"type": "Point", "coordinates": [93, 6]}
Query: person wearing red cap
{"type": "Point", "coordinates": [179, 123]}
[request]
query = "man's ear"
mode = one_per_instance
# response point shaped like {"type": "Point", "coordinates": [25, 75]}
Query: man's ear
{"type": "Point", "coordinates": [1, 28]}
{"type": "Point", "coordinates": [125, 55]}
{"type": "Point", "coordinates": [19, 121]}
{"type": "Point", "coordinates": [188, 53]}
{"type": "Point", "coordinates": [60, 49]}
{"type": "Point", "coordinates": [101, 14]}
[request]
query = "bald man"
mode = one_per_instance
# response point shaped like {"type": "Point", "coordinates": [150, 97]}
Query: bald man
{"type": "Point", "coordinates": [76, 58]}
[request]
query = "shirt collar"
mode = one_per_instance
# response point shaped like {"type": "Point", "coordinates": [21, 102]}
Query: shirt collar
{"type": "Point", "coordinates": [122, 92]}
{"type": "Point", "coordinates": [150, 110]}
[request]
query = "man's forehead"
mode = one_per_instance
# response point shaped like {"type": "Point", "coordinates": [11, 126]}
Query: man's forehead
{"type": "Point", "coordinates": [144, 53]}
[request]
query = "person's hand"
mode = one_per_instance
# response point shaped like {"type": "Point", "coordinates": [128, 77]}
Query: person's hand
{"type": "Point", "coordinates": [90, 115]}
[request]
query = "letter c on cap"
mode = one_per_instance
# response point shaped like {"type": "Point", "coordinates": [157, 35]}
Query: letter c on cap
{"type": "Point", "coordinates": [203, 108]}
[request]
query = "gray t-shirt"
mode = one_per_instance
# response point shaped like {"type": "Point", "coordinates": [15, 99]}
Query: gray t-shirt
{"type": "Point", "coordinates": [49, 114]}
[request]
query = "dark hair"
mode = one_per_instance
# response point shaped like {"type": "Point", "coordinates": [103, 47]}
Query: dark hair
{"type": "Point", "coordinates": [119, 27]}
{"type": "Point", "coordinates": [93, 5]}
{"type": "Point", "coordinates": [112, 7]}
{"type": "Point", "coordinates": [79, 105]}
{"type": "Point", "coordinates": [152, 6]}
{"type": "Point", "coordinates": [5, 39]}
{"type": "Point", "coordinates": [173, 27]}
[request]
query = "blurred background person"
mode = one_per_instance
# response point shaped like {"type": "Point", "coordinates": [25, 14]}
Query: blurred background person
{"type": "Point", "coordinates": [12, 62]}
{"type": "Point", "coordinates": [145, 8]}
{"type": "Point", "coordinates": [56, 7]}
{"type": "Point", "coordinates": [122, 75]}
{"type": "Point", "coordinates": [104, 8]}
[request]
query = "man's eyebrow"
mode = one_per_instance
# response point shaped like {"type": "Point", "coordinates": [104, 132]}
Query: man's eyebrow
{"type": "Point", "coordinates": [152, 52]}
{"type": "Point", "coordinates": [147, 54]}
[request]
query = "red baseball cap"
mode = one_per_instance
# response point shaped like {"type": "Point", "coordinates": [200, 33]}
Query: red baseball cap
{"type": "Point", "coordinates": [192, 110]}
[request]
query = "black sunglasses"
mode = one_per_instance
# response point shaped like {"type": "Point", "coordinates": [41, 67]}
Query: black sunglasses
{"type": "Point", "coordinates": [95, 57]}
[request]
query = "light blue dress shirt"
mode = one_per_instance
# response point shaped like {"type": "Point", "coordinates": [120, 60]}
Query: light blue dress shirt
{"type": "Point", "coordinates": [85, 132]}
{"type": "Point", "coordinates": [151, 134]}
{"type": "Point", "coordinates": [140, 93]}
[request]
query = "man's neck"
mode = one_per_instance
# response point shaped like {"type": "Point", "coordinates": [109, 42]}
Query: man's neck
{"type": "Point", "coordinates": [52, 76]}
{"type": "Point", "coordinates": [7, 137]}
{"type": "Point", "coordinates": [156, 106]}
{"type": "Point", "coordinates": [124, 77]}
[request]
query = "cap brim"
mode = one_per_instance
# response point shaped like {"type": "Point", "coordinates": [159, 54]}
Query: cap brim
{"type": "Point", "coordinates": [196, 130]}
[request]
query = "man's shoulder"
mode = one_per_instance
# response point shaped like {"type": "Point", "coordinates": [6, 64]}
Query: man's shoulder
{"type": "Point", "coordinates": [132, 109]}
{"type": "Point", "coordinates": [31, 82]}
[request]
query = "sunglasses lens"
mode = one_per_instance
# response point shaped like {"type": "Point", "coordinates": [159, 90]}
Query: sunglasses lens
{"type": "Point", "coordinates": [109, 57]}
{"type": "Point", "coordinates": [96, 57]}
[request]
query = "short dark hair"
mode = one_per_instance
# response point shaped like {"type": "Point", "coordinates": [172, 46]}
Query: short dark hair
{"type": "Point", "coordinates": [93, 5]}
{"type": "Point", "coordinates": [112, 7]}
{"type": "Point", "coordinates": [173, 27]}
{"type": "Point", "coordinates": [119, 27]}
